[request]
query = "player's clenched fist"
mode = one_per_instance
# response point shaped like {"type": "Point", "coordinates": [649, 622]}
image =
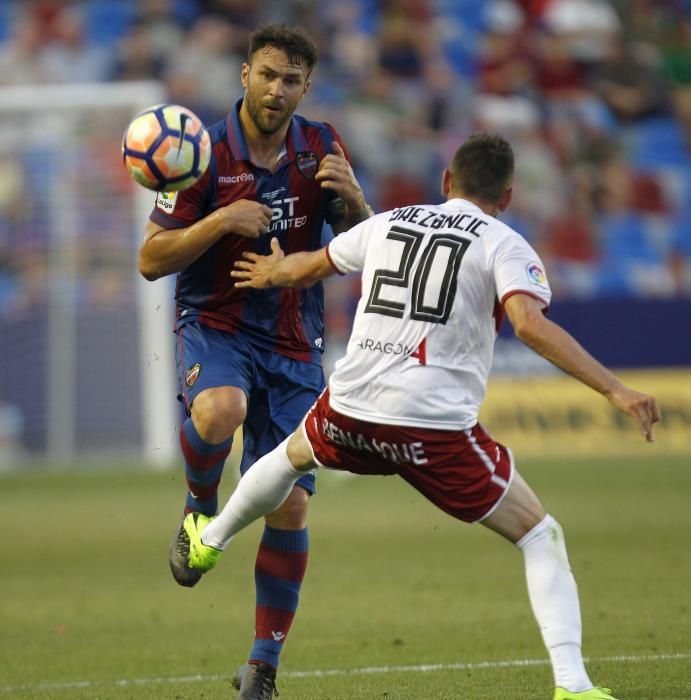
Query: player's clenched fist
{"type": "Point", "coordinates": [247, 218]}
{"type": "Point", "coordinates": [335, 173]}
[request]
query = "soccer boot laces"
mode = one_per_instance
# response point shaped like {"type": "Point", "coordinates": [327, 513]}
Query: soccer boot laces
{"type": "Point", "coordinates": [255, 682]}
{"type": "Point", "coordinates": [201, 557]}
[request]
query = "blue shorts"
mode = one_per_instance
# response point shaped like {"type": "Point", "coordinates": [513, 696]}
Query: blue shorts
{"type": "Point", "coordinates": [279, 390]}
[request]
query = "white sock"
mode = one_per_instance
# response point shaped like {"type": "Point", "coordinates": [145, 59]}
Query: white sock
{"type": "Point", "coordinates": [554, 597]}
{"type": "Point", "coordinates": [263, 487]}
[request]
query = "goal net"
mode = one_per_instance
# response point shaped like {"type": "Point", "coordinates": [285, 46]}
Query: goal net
{"type": "Point", "coordinates": [87, 346]}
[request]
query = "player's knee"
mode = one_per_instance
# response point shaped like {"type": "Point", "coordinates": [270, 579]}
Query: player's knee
{"type": "Point", "coordinates": [548, 532]}
{"type": "Point", "coordinates": [217, 413]}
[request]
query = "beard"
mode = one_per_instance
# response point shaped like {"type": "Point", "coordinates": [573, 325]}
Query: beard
{"type": "Point", "coordinates": [266, 123]}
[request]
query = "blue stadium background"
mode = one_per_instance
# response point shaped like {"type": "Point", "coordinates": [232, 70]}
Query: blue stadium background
{"type": "Point", "coordinates": [594, 95]}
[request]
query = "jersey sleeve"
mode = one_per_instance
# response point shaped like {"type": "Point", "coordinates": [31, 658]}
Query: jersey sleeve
{"type": "Point", "coordinates": [347, 252]}
{"type": "Point", "coordinates": [181, 209]}
{"type": "Point", "coordinates": [518, 270]}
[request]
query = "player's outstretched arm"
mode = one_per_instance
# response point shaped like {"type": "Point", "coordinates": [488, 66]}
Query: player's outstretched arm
{"type": "Point", "coordinates": [561, 349]}
{"type": "Point", "coordinates": [277, 270]}
{"type": "Point", "coordinates": [167, 251]}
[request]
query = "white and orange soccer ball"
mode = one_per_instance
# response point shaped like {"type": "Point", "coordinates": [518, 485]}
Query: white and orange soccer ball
{"type": "Point", "coordinates": [166, 148]}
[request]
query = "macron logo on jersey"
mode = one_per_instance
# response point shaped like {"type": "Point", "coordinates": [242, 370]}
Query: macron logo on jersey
{"type": "Point", "coordinates": [165, 201]}
{"type": "Point", "coordinates": [234, 179]}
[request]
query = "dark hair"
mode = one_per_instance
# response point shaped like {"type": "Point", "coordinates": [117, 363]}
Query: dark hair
{"type": "Point", "coordinates": [482, 167]}
{"type": "Point", "coordinates": [291, 40]}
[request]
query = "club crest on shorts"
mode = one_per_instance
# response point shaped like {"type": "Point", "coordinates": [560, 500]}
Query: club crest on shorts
{"type": "Point", "coordinates": [307, 163]}
{"type": "Point", "coordinates": [192, 374]}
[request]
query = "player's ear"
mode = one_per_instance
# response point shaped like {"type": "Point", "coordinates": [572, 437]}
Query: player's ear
{"type": "Point", "coordinates": [244, 74]}
{"type": "Point", "coordinates": [506, 198]}
{"type": "Point", "coordinates": [446, 182]}
{"type": "Point", "coordinates": [308, 82]}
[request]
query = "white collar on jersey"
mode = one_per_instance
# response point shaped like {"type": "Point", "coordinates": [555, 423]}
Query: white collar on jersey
{"type": "Point", "coordinates": [458, 203]}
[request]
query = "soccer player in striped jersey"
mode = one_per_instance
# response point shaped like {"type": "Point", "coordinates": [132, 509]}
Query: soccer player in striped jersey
{"type": "Point", "coordinates": [253, 357]}
{"type": "Point", "coordinates": [436, 280]}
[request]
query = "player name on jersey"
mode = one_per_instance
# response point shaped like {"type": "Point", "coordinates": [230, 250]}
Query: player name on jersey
{"type": "Point", "coordinates": [433, 219]}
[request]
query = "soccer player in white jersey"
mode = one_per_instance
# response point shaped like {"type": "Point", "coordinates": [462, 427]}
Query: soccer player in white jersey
{"type": "Point", "coordinates": [436, 280]}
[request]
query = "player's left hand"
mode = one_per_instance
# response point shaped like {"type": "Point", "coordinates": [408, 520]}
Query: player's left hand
{"type": "Point", "coordinates": [336, 174]}
{"type": "Point", "coordinates": [641, 408]}
{"type": "Point", "coordinates": [255, 270]}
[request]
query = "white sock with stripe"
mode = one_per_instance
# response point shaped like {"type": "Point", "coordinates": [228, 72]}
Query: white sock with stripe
{"type": "Point", "coordinates": [554, 597]}
{"type": "Point", "coordinates": [262, 488]}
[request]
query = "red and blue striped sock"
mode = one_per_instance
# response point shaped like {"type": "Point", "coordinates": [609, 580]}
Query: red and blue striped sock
{"type": "Point", "coordinates": [278, 574]}
{"type": "Point", "coordinates": [203, 469]}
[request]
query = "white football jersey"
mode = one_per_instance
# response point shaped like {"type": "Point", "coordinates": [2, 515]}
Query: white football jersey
{"type": "Point", "coordinates": [433, 279]}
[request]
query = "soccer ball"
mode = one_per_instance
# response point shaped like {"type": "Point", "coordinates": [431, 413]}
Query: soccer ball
{"type": "Point", "coordinates": [166, 148]}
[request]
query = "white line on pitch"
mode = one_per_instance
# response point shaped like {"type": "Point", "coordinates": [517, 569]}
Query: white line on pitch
{"type": "Point", "coordinates": [364, 671]}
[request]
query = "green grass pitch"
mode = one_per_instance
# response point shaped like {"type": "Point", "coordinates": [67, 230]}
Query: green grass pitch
{"type": "Point", "coordinates": [89, 609]}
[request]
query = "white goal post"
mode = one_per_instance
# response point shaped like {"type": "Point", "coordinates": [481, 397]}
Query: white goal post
{"type": "Point", "coordinates": [87, 347]}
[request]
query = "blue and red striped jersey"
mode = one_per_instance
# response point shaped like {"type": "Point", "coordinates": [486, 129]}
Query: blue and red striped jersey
{"type": "Point", "coordinates": [287, 321]}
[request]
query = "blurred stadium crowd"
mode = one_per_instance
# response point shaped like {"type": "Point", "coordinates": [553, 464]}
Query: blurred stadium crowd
{"type": "Point", "coordinates": [594, 95]}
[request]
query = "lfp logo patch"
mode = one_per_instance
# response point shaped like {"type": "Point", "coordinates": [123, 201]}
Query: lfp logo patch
{"type": "Point", "coordinates": [536, 275]}
{"type": "Point", "coordinates": [166, 201]}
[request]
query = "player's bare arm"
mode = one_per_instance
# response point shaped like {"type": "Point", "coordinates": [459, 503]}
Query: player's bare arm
{"type": "Point", "coordinates": [335, 173]}
{"type": "Point", "coordinates": [278, 270]}
{"type": "Point", "coordinates": [561, 349]}
{"type": "Point", "coordinates": [168, 251]}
